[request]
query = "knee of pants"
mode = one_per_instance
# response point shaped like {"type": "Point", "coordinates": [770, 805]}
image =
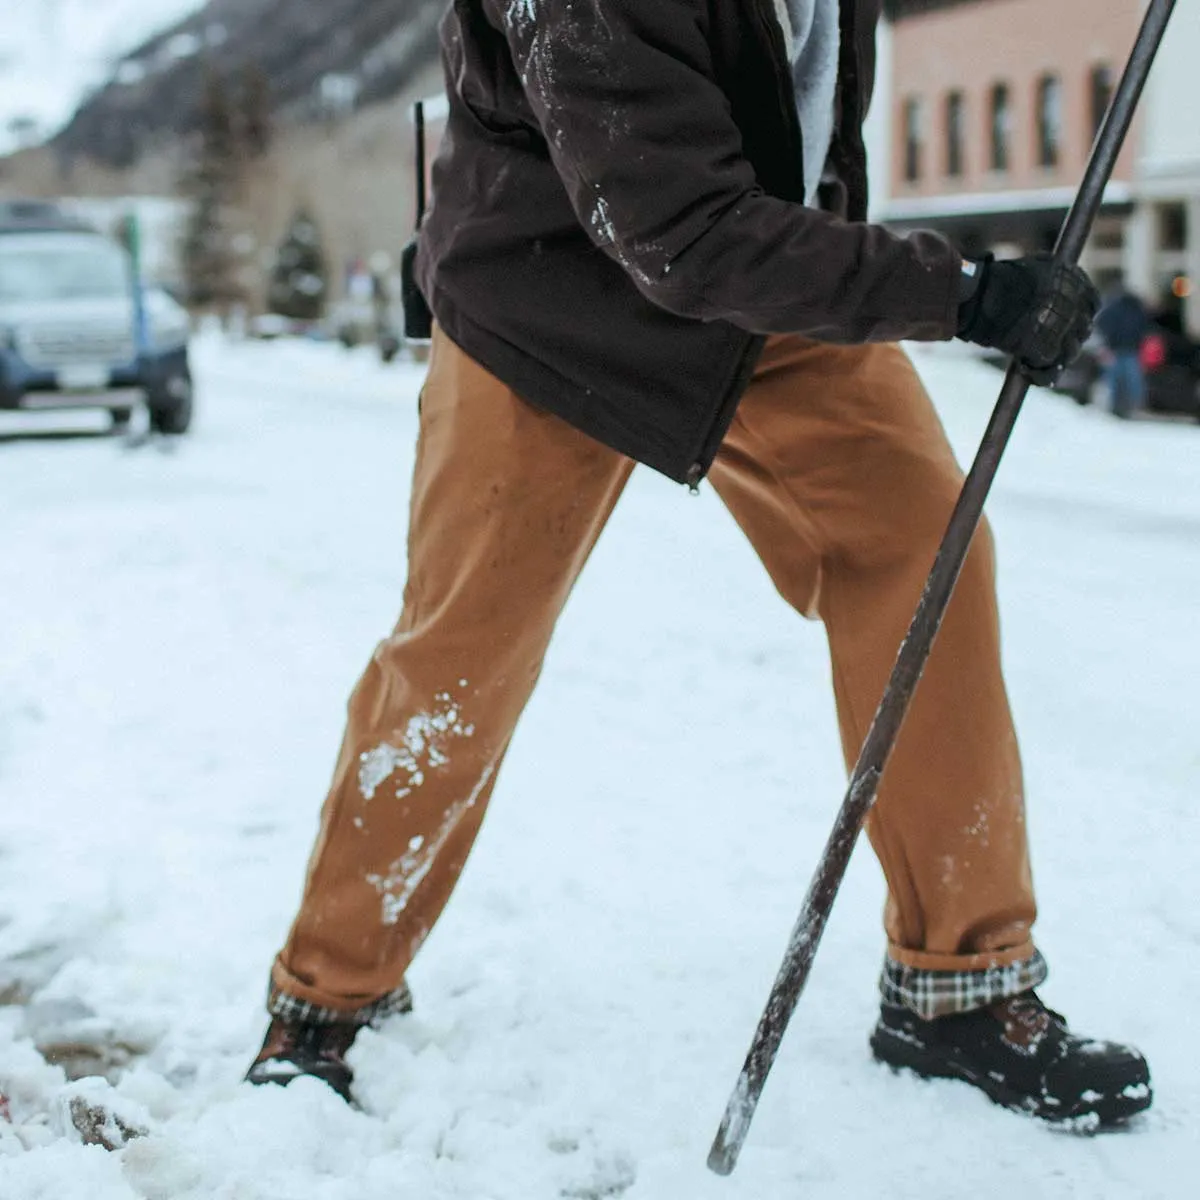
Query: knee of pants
{"type": "Point", "coordinates": [978, 575]}
{"type": "Point", "coordinates": [908, 518]}
{"type": "Point", "coordinates": [980, 564]}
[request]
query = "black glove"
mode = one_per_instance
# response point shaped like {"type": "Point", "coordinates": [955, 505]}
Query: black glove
{"type": "Point", "coordinates": [1036, 309]}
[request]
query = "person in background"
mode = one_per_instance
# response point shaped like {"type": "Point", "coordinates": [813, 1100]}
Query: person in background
{"type": "Point", "coordinates": [649, 244]}
{"type": "Point", "coordinates": [1123, 323]}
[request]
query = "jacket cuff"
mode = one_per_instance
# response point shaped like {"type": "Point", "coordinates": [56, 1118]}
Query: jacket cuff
{"type": "Point", "coordinates": [934, 292]}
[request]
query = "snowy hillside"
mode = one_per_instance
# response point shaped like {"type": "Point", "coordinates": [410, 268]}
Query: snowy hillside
{"type": "Point", "coordinates": [316, 61]}
{"type": "Point", "coordinates": [53, 52]}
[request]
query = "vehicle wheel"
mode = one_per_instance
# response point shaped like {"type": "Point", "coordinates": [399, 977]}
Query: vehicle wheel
{"type": "Point", "coordinates": [171, 405]}
{"type": "Point", "coordinates": [120, 419]}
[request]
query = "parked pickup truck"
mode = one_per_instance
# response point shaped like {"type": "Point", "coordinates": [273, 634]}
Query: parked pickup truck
{"type": "Point", "coordinates": [73, 333]}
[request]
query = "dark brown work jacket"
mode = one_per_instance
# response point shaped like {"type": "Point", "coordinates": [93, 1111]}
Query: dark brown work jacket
{"type": "Point", "coordinates": [617, 219]}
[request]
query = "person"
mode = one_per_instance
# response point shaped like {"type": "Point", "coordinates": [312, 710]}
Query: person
{"type": "Point", "coordinates": [1124, 323]}
{"type": "Point", "coordinates": [648, 245]}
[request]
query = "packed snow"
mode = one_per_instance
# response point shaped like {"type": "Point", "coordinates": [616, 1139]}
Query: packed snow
{"type": "Point", "coordinates": [178, 634]}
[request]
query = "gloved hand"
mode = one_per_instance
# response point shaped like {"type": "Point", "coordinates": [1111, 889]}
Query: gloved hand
{"type": "Point", "coordinates": [1038, 310]}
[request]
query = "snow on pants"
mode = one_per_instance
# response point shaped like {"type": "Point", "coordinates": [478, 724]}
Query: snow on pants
{"type": "Point", "coordinates": [838, 470]}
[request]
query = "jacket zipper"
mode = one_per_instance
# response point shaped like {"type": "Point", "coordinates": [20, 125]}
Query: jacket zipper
{"type": "Point", "coordinates": [716, 431]}
{"type": "Point", "coordinates": [769, 25]}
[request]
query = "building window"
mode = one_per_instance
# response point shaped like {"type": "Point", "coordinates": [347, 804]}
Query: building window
{"type": "Point", "coordinates": [1049, 120]}
{"type": "Point", "coordinates": [955, 109]}
{"type": "Point", "coordinates": [1001, 127]}
{"type": "Point", "coordinates": [912, 139]}
{"type": "Point", "coordinates": [1108, 233]}
{"type": "Point", "coordinates": [1172, 227]}
{"type": "Point", "coordinates": [1102, 94]}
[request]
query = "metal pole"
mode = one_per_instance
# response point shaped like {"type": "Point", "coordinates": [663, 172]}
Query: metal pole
{"type": "Point", "coordinates": [914, 651]}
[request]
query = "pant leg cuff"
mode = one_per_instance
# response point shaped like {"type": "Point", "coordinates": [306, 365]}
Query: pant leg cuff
{"type": "Point", "coordinates": [932, 994]}
{"type": "Point", "coordinates": [292, 1009]}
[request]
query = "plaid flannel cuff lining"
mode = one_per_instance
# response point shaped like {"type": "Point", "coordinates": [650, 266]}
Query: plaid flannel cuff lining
{"type": "Point", "coordinates": [932, 994]}
{"type": "Point", "coordinates": [289, 1008]}
{"type": "Point", "coordinates": [929, 994]}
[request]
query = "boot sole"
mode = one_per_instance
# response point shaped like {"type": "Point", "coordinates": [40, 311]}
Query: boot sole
{"type": "Point", "coordinates": [1095, 1110]}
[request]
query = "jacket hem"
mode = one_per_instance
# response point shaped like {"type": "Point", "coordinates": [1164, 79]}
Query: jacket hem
{"type": "Point", "coordinates": [540, 385]}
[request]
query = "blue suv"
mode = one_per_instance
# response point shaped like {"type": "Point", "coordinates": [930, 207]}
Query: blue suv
{"type": "Point", "coordinates": [76, 331]}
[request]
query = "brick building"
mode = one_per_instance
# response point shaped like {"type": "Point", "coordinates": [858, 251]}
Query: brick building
{"type": "Point", "coordinates": [990, 108]}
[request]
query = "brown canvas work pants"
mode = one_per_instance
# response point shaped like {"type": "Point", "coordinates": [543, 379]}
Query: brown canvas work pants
{"type": "Point", "coordinates": [837, 469]}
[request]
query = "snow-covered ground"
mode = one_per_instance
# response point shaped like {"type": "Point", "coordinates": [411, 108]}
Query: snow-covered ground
{"type": "Point", "coordinates": [178, 633]}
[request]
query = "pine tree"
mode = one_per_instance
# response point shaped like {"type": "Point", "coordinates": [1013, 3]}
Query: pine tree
{"type": "Point", "coordinates": [209, 260]}
{"type": "Point", "coordinates": [255, 128]}
{"type": "Point", "coordinates": [299, 282]}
